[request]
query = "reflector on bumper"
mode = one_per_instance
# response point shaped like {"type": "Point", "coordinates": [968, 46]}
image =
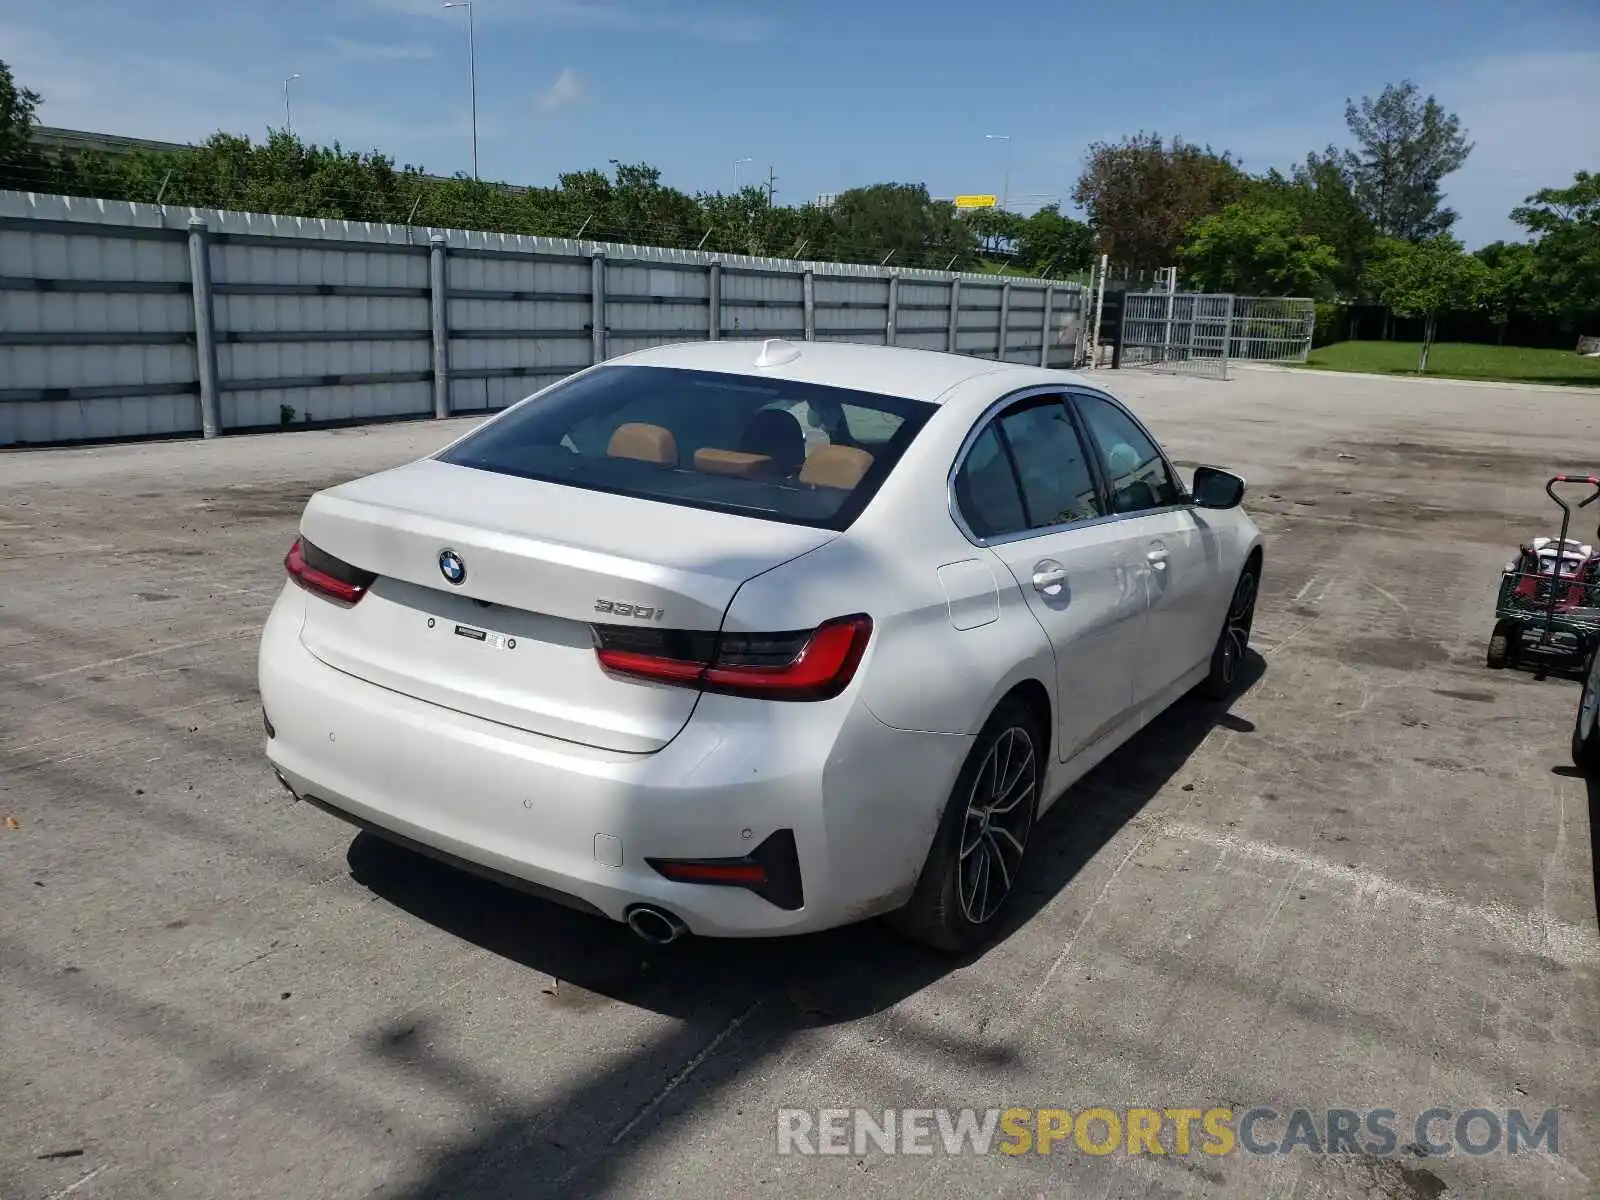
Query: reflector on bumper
{"type": "Point", "coordinates": [771, 871]}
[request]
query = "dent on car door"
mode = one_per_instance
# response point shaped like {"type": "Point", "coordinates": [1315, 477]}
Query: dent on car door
{"type": "Point", "coordinates": [1177, 549]}
{"type": "Point", "coordinates": [1027, 491]}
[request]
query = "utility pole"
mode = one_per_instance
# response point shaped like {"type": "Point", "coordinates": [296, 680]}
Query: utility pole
{"type": "Point", "coordinates": [288, 114]}
{"type": "Point", "coordinates": [772, 191]}
{"type": "Point", "coordinates": [472, 74]}
{"type": "Point", "coordinates": [1005, 187]}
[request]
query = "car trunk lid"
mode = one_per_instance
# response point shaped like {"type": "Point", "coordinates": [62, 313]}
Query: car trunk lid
{"type": "Point", "coordinates": [511, 642]}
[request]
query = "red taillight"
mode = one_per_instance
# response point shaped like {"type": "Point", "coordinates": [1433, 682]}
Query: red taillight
{"type": "Point", "coordinates": [318, 571]}
{"type": "Point", "coordinates": [810, 665]}
{"type": "Point", "coordinates": [649, 666]}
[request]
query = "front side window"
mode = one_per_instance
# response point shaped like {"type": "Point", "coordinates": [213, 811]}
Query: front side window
{"type": "Point", "coordinates": [1135, 472]}
{"type": "Point", "coordinates": [771, 448]}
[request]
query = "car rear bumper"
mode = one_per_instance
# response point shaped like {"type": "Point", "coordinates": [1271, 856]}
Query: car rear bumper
{"type": "Point", "coordinates": [577, 824]}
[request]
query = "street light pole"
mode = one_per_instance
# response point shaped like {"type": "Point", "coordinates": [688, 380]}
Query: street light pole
{"type": "Point", "coordinates": [472, 74]}
{"type": "Point", "coordinates": [1005, 187]}
{"type": "Point", "coordinates": [736, 163]}
{"type": "Point", "coordinates": [288, 115]}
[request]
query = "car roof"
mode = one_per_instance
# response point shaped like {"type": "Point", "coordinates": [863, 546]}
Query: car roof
{"type": "Point", "coordinates": [888, 370]}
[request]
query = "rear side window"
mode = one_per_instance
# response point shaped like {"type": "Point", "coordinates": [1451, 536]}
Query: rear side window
{"type": "Point", "coordinates": [770, 448]}
{"type": "Point", "coordinates": [1026, 470]}
{"type": "Point", "coordinates": [986, 488]}
{"type": "Point", "coordinates": [1057, 485]}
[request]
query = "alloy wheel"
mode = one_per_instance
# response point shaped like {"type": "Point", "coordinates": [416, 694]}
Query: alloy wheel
{"type": "Point", "coordinates": [998, 819]}
{"type": "Point", "coordinates": [1589, 704]}
{"type": "Point", "coordinates": [1236, 631]}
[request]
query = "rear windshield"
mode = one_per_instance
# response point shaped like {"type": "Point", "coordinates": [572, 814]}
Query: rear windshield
{"type": "Point", "coordinates": [770, 448]}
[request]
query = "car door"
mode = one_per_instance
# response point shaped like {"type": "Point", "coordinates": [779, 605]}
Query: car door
{"type": "Point", "coordinates": [1177, 550]}
{"type": "Point", "coordinates": [1026, 490]}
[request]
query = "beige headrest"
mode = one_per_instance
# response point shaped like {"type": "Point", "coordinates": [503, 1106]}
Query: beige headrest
{"type": "Point", "coordinates": [835, 467]}
{"type": "Point", "coordinates": [647, 443]}
{"type": "Point", "coordinates": [732, 462]}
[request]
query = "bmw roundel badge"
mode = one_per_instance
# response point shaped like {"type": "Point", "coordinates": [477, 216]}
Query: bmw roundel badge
{"type": "Point", "coordinates": [451, 567]}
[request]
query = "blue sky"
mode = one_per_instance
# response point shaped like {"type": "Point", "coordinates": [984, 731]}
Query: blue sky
{"type": "Point", "coordinates": [831, 94]}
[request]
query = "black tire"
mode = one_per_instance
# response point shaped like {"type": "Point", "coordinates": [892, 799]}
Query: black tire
{"type": "Point", "coordinates": [1502, 644]}
{"type": "Point", "coordinates": [955, 907]}
{"type": "Point", "coordinates": [1586, 726]}
{"type": "Point", "coordinates": [1227, 657]}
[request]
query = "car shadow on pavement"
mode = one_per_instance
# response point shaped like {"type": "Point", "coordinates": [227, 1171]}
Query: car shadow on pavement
{"type": "Point", "coordinates": [740, 1004]}
{"type": "Point", "coordinates": [839, 975]}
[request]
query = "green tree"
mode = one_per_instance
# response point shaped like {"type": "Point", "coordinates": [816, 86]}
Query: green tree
{"type": "Point", "coordinates": [1565, 224]}
{"type": "Point", "coordinates": [286, 176]}
{"type": "Point", "coordinates": [900, 223]}
{"type": "Point", "coordinates": [1257, 250]}
{"type": "Point", "coordinates": [1141, 195]}
{"type": "Point", "coordinates": [996, 229]}
{"type": "Point", "coordinates": [1425, 279]}
{"type": "Point", "coordinates": [1511, 284]}
{"type": "Point", "coordinates": [1047, 241]}
{"type": "Point", "coordinates": [1329, 211]}
{"type": "Point", "coordinates": [1406, 145]}
{"type": "Point", "coordinates": [17, 108]}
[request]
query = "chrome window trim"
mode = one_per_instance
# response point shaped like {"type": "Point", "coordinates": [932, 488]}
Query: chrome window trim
{"type": "Point", "coordinates": [1065, 392]}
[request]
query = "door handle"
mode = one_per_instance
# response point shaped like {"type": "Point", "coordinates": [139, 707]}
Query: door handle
{"type": "Point", "coordinates": [1157, 559]}
{"type": "Point", "coordinates": [1044, 580]}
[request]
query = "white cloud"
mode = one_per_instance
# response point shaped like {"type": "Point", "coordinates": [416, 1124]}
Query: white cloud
{"type": "Point", "coordinates": [1531, 119]}
{"type": "Point", "coordinates": [569, 88]}
{"type": "Point", "coordinates": [113, 94]}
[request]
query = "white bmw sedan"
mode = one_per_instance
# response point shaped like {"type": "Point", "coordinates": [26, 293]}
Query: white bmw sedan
{"type": "Point", "coordinates": [741, 638]}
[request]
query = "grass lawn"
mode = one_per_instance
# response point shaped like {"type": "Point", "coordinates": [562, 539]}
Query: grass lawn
{"type": "Point", "coordinates": [1461, 360]}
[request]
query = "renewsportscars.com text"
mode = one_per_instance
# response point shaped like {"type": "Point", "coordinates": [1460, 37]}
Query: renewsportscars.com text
{"type": "Point", "coordinates": [1213, 1130]}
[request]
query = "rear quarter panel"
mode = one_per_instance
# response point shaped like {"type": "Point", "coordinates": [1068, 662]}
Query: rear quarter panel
{"type": "Point", "coordinates": [921, 671]}
{"type": "Point", "coordinates": [952, 632]}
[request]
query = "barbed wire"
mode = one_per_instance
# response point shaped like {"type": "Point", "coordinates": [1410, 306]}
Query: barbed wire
{"type": "Point", "coordinates": [414, 206]}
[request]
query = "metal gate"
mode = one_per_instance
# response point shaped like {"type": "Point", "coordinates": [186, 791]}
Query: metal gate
{"type": "Point", "coordinates": [1200, 333]}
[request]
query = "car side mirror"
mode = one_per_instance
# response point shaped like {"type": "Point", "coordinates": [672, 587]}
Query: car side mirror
{"type": "Point", "coordinates": [1216, 488]}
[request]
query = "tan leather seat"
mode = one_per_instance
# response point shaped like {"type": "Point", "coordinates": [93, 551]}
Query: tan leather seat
{"type": "Point", "coordinates": [733, 462]}
{"type": "Point", "coordinates": [835, 467]}
{"type": "Point", "coordinates": [646, 443]}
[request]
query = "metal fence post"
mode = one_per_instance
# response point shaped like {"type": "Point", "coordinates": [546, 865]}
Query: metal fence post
{"type": "Point", "coordinates": [439, 314]}
{"type": "Point", "coordinates": [894, 309]}
{"type": "Point", "coordinates": [597, 304]}
{"type": "Point", "coordinates": [1166, 334]}
{"type": "Point", "coordinates": [1227, 338]}
{"type": "Point", "coordinates": [714, 300]}
{"type": "Point", "coordinates": [955, 315]}
{"type": "Point", "coordinates": [808, 284]}
{"type": "Point", "coordinates": [1044, 332]}
{"type": "Point", "coordinates": [1005, 320]}
{"type": "Point", "coordinates": [1194, 328]}
{"type": "Point", "coordinates": [205, 341]}
{"type": "Point", "coordinates": [1099, 317]}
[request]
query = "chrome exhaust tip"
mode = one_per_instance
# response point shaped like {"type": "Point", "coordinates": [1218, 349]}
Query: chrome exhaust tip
{"type": "Point", "coordinates": [655, 925]}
